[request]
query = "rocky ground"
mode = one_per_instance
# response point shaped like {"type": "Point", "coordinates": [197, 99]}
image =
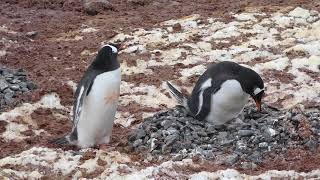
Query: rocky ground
{"type": "Point", "coordinates": [47, 45]}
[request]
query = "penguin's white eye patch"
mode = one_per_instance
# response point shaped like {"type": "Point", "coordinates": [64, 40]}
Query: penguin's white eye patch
{"type": "Point", "coordinates": [257, 91]}
{"type": "Point", "coordinates": [114, 49]}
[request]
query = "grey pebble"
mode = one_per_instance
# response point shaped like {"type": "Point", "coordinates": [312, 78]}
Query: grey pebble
{"type": "Point", "coordinates": [245, 132]}
{"type": "Point", "coordinates": [3, 84]}
{"type": "Point", "coordinates": [231, 159]}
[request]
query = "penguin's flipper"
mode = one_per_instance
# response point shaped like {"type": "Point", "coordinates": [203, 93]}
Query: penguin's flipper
{"type": "Point", "coordinates": [182, 100]}
{"type": "Point", "coordinates": [82, 91]}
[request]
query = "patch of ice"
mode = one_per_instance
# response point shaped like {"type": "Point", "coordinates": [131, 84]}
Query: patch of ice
{"type": "Point", "coordinates": [299, 12]}
{"type": "Point", "coordinates": [205, 46]}
{"type": "Point", "coordinates": [89, 30]}
{"type": "Point", "coordinates": [282, 21]}
{"type": "Point", "coordinates": [133, 49]}
{"type": "Point", "coordinates": [196, 70]}
{"type": "Point", "coordinates": [245, 17]}
{"type": "Point", "coordinates": [3, 53]}
{"type": "Point", "coordinates": [141, 67]}
{"type": "Point", "coordinates": [24, 111]}
{"type": "Point", "coordinates": [153, 98]}
{"type": "Point", "coordinates": [182, 21]}
{"type": "Point", "coordinates": [278, 64]}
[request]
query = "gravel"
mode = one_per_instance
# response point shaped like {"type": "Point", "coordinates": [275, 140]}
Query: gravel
{"type": "Point", "coordinates": [12, 84]}
{"type": "Point", "coordinates": [175, 135]}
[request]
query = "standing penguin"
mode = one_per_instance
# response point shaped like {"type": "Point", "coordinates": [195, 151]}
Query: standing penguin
{"type": "Point", "coordinates": [221, 92]}
{"type": "Point", "coordinates": [96, 101]}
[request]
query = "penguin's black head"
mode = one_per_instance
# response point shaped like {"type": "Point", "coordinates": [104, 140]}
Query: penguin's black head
{"type": "Point", "coordinates": [107, 57]}
{"type": "Point", "coordinates": [252, 84]}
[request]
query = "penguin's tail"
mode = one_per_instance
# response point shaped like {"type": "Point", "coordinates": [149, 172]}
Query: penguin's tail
{"type": "Point", "coordinates": [182, 100]}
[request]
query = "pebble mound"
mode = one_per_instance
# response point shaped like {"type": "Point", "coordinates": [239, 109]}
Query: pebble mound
{"type": "Point", "coordinates": [12, 84]}
{"type": "Point", "coordinates": [176, 135]}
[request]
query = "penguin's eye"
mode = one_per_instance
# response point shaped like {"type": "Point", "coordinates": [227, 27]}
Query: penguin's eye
{"type": "Point", "coordinates": [257, 91]}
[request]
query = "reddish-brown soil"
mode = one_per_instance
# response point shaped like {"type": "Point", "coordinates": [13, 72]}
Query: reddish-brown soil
{"type": "Point", "coordinates": [51, 64]}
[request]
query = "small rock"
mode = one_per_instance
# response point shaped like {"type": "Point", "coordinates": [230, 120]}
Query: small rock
{"type": "Point", "coordinates": [170, 139]}
{"type": "Point", "coordinates": [177, 157]}
{"type": "Point", "coordinates": [3, 84]}
{"type": "Point", "coordinates": [256, 157]}
{"type": "Point", "coordinates": [140, 134]}
{"type": "Point", "coordinates": [241, 146]}
{"type": "Point", "coordinates": [210, 129]}
{"type": "Point", "coordinates": [166, 124]}
{"type": "Point", "coordinates": [137, 143]}
{"type": "Point", "coordinates": [15, 81]}
{"type": "Point", "coordinates": [15, 87]}
{"type": "Point", "coordinates": [245, 132]}
{"type": "Point", "coordinates": [32, 34]}
{"type": "Point", "coordinates": [222, 135]}
{"type": "Point", "coordinates": [166, 149]}
{"type": "Point", "coordinates": [155, 134]}
{"type": "Point", "coordinates": [142, 148]}
{"type": "Point", "coordinates": [172, 130]}
{"type": "Point", "coordinates": [208, 154]}
{"type": "Point", "coordinates": [248, 165]}
{"type": "Point", "coordinates": [202, 134]}
{"type": "Point", "coordinates": [226, 142]}
{"type": "Point", "coordinates": [93, 7]}
{"type": "Point", "coordinates": [312, 145]}
{"type": "Point", "coordinates": [177, 27]}
{"type": "Point", "coordinates": [231, 159]}
{"type": "Point", "coordinates": [8, 98]}
{"type": "Point", "coordinates": [31, 85]}
{"type": "Point", "coordinates": [139, 2]}
{"type": "Point", "coordinates": [24, 89]}
{"type": "Point", "coordinates": [263, 145]}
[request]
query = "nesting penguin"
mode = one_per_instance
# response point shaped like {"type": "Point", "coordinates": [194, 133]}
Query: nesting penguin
{"type": "Point", "coordinates": [221, 92]}
{"type": "Point", "coordinates": [96, 101]}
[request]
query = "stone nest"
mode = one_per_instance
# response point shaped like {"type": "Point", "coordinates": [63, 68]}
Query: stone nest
{"type": "Point", "coordinates": [175, 135]}
{"type": "Point", "coordinates": [12, 84]}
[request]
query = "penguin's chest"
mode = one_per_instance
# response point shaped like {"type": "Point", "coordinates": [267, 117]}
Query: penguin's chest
{"type": "Point", "coordinates": [227, 103]}
{"type": "Point", "coordinates": [99, 108]}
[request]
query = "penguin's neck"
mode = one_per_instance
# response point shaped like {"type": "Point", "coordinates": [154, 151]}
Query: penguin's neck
{"type": "Point", "coordinates": [106, 64]}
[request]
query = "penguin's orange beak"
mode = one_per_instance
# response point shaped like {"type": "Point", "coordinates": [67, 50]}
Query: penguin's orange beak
{"type": "Point", "coordinates": [258, 104]}
{"type": "Point", "coordinates": [257, 99]}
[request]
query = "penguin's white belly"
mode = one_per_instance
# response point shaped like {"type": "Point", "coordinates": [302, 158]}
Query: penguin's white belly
{"type": "Point", "coordinates": [227, 102]}
{"type": "Point", "coordinates": [98, 110]}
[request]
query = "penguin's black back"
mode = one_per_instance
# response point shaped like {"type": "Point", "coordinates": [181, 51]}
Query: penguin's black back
{"type": "Point", "coordinates": [219, 73]}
